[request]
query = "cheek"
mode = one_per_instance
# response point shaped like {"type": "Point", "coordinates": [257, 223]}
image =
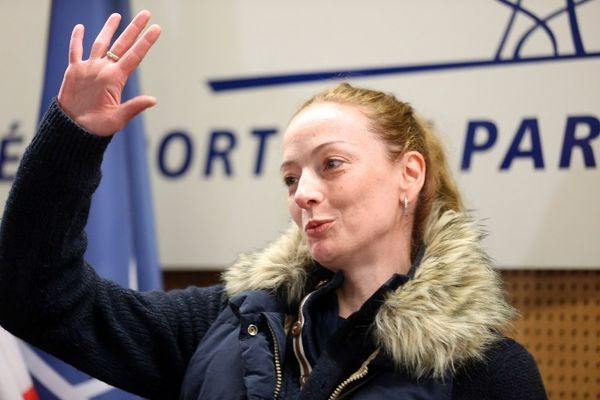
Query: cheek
{"type": "Point", "coordinates": [295, 211]}
{"type": "Point", "coordinates": [370, 204]}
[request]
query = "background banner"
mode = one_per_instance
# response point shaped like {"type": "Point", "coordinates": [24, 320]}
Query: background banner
{"type": "Point", "coordinates": [511, 86]}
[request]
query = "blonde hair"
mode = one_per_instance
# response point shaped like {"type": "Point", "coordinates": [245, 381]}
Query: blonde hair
{"type": "Point", "coordinates": [398, 125]}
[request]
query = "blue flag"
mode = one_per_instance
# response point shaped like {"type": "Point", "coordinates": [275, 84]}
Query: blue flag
{"type": "Point", "coordinates": [122, 243]}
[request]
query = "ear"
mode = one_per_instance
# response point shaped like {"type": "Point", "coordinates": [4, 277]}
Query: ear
{"type": "Point", "coordinates": [412, 178]}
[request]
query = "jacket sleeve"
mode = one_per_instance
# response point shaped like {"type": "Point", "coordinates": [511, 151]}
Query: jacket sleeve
{"type": "Point", "coordinates": [508, 372]}
{"type": "Point", "coordinates": [514, 373]}
{"type": "Point", "coordinates": [52, 298]}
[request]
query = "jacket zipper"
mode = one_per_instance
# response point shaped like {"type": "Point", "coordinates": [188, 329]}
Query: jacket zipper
{"type": "Point", "coordinates": [359, 374]}
{"type": "Point", "coordinates": [277, 360]}
{"type": "Point", "coordinates": [305, 367]}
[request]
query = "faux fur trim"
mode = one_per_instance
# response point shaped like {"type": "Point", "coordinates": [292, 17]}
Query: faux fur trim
{"type": "Point", "coordinates": [450, 312]}
{"type": "Point", "coordinates": [282, 266]}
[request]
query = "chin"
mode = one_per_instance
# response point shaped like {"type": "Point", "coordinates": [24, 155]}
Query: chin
{"type": "Point", "coordinates": [325, 257]}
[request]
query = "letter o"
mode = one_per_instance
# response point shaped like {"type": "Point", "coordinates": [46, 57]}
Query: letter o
{"type": "Point", "coordinates": [188, 150]}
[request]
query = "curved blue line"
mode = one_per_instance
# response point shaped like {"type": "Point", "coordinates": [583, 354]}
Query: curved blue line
{"type": "Point", "coordinates": [575, 28]}
{"type": "Point", "coordinates": [546, 19]}
{"type": "Point", "coordinates": [540, 23]}
{"type": "Point", "coordinates": [507, 30]}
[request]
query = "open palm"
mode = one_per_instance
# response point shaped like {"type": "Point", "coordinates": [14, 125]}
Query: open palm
{"type": "Point", "coordinates": [91, 89]}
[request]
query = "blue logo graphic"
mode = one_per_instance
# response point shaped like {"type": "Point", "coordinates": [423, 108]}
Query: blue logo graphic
{"type": "Point", "coordinates": [569, 10]}
{"type": "Point", "coordinates": [9, 156]}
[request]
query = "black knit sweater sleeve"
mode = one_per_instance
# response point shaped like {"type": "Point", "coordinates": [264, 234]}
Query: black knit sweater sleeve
{"type": "Point", "coordinates": [52, 298]}
{"type": "Point", "coordinates": [508, 372]}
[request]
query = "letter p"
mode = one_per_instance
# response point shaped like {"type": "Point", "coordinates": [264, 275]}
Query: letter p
{"type": "Point", "coordinates": [472, 146]}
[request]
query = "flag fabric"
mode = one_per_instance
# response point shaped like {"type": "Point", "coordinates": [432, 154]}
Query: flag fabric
{"type": "Point", "coordinates": [121, 237]}
{"type": "Point", "coordinates": [15, 382]}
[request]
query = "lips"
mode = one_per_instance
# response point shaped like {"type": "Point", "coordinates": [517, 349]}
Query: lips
{"type": "Point", "coordinates": [315, 228]}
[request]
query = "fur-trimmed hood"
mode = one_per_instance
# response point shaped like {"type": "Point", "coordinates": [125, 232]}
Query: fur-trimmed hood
{"type": "Point", "coordinates": [450, 312]}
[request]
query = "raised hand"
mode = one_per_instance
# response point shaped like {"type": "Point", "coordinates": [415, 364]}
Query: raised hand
{"type": "Point", "coordinates": [91, 89]}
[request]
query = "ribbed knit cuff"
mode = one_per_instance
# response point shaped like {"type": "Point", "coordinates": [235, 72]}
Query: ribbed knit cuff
{"type": "Point", "coordinates": [69, 147]}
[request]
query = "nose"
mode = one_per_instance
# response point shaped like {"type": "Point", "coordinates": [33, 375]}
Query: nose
{"type": "Point", "coordinates": [308, 191]}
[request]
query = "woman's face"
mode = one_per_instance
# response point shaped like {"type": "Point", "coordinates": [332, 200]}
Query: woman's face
{"type": "Point", "coordinates": [344, 191]}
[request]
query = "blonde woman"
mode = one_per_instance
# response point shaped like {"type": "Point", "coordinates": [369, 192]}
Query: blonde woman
{"type": "Point", "coordinates": [380, 288]}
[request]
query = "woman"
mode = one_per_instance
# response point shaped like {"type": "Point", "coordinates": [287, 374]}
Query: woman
{"type": "Point", "coordinates": [380, 289]}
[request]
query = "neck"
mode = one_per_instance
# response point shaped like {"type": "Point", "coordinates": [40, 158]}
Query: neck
{"type": "Point", "coordinates": [360, 284]}
{"type": "Point", "coordinates": [368, 269]}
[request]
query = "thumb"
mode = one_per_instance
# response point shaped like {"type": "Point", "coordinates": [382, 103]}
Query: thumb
{"type": "Point", "coordinates": [131, 108]}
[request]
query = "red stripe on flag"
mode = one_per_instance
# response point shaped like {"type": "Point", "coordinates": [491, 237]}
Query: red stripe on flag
{"type": "Point", "coordinates": [30, 394]}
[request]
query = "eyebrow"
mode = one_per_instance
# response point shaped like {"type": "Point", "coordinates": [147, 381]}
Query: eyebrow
{"type": "Point", "coordinates": [316, 149]}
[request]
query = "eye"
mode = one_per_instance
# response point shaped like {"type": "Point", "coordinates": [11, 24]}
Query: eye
{"type": "Point", "coordinates": [290, 180]}
{"type": "Point", "coordinates": [332, 163]}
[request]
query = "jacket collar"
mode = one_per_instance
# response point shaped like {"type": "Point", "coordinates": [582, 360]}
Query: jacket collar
{"type": "Point", "coordinates": [449, 313]}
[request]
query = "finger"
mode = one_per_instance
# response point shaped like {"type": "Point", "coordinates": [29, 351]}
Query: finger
{"type": "Point", "coordinates": [138, 51]}
{"type": "Point", "coordinates": [130, 34]}
{"type": "Point", "coordinates": [76, 44]}
{"type": "Point", "coordinates": [128, 110]}
{"type": "Point", "coordinates": [103, 39]}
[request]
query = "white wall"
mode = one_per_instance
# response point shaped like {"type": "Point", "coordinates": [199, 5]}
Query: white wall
{"type": "Point", "coordinates": [545, 217]}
